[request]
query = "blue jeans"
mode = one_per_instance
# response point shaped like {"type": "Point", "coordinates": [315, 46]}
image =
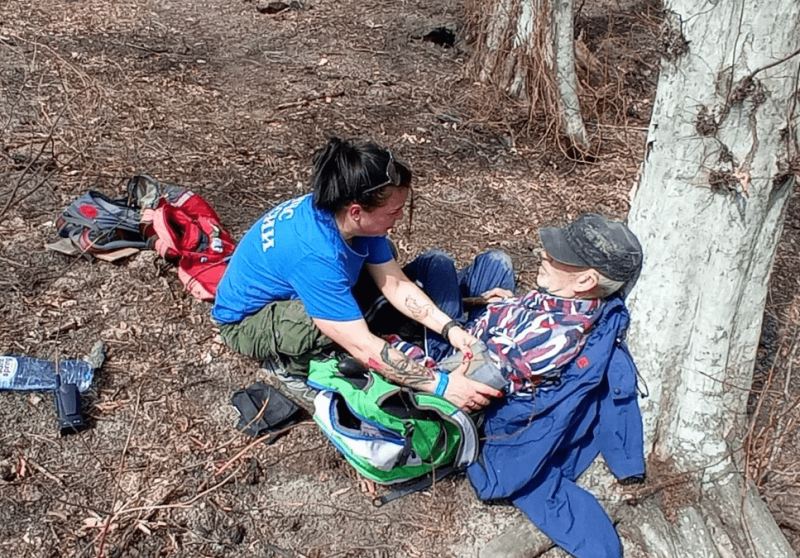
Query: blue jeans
{"type": "Point", "coordinates": [435, 271]}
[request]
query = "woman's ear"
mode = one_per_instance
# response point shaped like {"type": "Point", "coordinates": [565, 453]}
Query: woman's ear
{"type": "Point", "coordinates": [354, 211]}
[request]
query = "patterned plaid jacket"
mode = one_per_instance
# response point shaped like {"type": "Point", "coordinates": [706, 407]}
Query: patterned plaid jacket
{"type": "Point", "coordinates": [532, 337]}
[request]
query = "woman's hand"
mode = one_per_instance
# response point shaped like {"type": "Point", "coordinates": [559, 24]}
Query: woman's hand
{"type": "Point", "coordinates": [461, 340]}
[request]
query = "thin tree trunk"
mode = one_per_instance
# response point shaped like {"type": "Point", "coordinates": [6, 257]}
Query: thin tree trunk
{"type": "Point", "coordinates": [525, 48]}
{"type": "Point", "coordinates": [564, 65]}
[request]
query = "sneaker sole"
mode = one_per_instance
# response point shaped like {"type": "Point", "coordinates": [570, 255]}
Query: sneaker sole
{"type": "Point", "coordinates": [271, 370]}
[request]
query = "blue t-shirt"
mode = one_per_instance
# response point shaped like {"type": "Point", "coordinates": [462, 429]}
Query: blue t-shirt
{"type": "Point", "coordinates": [295, 251]}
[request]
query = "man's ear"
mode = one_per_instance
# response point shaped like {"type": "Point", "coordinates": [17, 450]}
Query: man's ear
{"type": "Point", "coordinates": [587, 281]}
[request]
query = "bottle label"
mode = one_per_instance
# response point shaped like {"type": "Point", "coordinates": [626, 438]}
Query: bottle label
{"type": "Point", "coordinates": [8, 369]}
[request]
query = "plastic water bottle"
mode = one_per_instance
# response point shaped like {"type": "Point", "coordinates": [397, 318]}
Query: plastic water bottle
{"type": "Point", "coordinates": [27, 373]}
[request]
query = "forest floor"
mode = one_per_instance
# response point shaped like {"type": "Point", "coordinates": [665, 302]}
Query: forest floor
{"type": "Point", "coordinates": [231, 102]}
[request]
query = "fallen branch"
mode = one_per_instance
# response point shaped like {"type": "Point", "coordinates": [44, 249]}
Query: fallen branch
{"type": "Point", "coordinates": [73, 323]}
{"type": "Point", "coordinates": [185, 504]}
{"type": "Point", "coordinates": [112, 515]}
{"type": "Point", "coordinates": [249, 446]}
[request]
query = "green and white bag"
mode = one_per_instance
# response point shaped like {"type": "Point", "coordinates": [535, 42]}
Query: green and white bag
{"type": "Point", "coordinates": [390, 434]}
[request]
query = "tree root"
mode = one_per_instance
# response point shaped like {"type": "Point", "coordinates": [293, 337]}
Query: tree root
{"type": "Point", "coordinates": [727, 521]}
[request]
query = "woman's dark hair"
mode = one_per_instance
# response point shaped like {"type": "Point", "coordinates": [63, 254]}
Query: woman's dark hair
{"type": "Point", "coordinates": [359, 171]}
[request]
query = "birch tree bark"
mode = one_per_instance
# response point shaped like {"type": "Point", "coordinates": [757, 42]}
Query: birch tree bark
{"type": "Point", "coordinates": [526, 49]}
{"type": "Point", "coordinates": [721, 159]}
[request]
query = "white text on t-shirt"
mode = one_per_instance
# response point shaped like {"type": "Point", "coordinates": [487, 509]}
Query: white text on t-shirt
{"type": "Point", "coordinates": [277, 213]}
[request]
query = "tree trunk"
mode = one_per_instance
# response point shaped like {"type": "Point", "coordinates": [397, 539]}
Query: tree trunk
{"type": "Point", "coordinates": [525, 48]}
{"type": "Point", "coordinates": [721, 156]}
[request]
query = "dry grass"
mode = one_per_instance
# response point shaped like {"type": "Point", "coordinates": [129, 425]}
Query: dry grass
{"type": "Point", "coordinates": [617, 62]}
{"type": "Point", "coordinates": [773, 442]}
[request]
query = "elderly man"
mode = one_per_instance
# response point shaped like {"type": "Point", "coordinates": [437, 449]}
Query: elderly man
{"type": "Point", "coordinates": [558, 353]}
{"type": "Point", "coordinates": [533, 337]}
{"type": "Point", "coordinates": [571, 385]}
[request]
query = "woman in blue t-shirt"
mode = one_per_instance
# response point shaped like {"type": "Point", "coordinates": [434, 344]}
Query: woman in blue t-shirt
{"type": "Point", "coordinates": [287, 294]}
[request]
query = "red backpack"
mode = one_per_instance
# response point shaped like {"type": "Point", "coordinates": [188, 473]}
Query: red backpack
{"type": "Point", "coordinates": [186, 231]}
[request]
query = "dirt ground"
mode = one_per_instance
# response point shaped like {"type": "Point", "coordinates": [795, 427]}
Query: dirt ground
{"type": "Point", "coordinates": [231, 102]}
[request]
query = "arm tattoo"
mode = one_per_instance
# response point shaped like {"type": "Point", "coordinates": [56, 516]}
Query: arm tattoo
{"type": "Point", "coordinates": [417, 312]}
{"type": "Point", "coordinates": [402, 370]}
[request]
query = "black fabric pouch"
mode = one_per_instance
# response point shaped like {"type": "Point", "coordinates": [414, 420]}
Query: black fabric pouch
{"type": "Point", "coordinates": [279, 412]}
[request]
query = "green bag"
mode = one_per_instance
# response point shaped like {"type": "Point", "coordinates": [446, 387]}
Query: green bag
{"type": "Point", "coordinates": [390, 434]}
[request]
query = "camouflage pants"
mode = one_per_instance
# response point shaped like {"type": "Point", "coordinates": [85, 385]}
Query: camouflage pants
{"type": "Point", "coordinates": [282, 331]}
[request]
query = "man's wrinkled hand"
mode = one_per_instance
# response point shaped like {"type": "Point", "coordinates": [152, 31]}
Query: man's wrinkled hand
{"type": "Point", "coordinates": [497, 294]}
{"type": "Point", "coordinates": [468, 395]}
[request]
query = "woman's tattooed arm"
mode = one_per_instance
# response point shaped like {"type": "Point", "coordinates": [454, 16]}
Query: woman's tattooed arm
{"type": "Point", "coordinates": [400, 369]}
{"type": "Point", "coordinates": [417, 311]}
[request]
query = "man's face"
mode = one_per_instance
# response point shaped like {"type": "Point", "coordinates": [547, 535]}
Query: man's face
{"type": "Point", "coordinates": [378, 221]}
{"type": "Point", "coordinates": [560, 279]}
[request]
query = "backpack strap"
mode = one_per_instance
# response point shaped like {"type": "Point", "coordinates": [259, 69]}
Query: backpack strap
{"type": "Point", "coordinates": [95, 242]}
{"type": "Point", "coordinates": [418, 485]}
{"type": "Point", "coordinates": [403, 405]}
